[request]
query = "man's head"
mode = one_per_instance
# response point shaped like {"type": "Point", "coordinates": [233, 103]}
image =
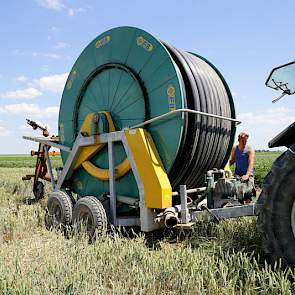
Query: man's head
{"type": "Point", "coordinates": [242, 138]}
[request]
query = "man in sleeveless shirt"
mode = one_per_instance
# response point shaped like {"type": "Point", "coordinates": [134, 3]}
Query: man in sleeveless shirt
{"type": "Point", "coordinates": [242, 156]}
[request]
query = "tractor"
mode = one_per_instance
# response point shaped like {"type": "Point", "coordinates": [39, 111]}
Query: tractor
{"type": "Point", "coordinates": [276, 203]}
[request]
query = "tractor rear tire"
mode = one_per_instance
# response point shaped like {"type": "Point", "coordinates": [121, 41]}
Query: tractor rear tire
{"type": "Point", "coordinates": [276, 213]}
{"type": "Point", "coordinates": [90, 214]}
{"type": "Point", "coordinates": [59, 211]}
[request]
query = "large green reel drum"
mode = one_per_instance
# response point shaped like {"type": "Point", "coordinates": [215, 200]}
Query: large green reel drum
{"type": "Point", "coordinates": [134, 76]}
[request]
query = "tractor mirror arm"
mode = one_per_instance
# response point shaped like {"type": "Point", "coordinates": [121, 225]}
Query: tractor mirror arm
{"type": "Point", "coordinates": [280, 86]}
{"type": "Point", "coordinates": [281, 96]}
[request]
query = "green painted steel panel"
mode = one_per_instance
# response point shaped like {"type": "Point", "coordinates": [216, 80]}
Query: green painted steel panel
{"type": "Point", "coordinates": [129, 73]}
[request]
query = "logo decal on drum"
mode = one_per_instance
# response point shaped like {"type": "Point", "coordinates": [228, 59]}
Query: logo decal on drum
{"type": "Point", "coordinates": [140, 41]}
{"type": "Point", "coordinates": [61, 132]}
{"type": "Point", "coordinates": [171, 98]}
{"type": "Point", "coordinates": [71, 79]}
{"type": "Point", "coordinates": [103, 41]}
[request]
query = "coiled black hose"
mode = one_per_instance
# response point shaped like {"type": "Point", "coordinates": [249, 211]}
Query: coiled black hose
{"type": "Point", "coordinates": [206, 141]}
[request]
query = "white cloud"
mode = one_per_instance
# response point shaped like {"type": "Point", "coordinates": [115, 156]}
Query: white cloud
{"type": "Point", "coordinates": [4, 131]}
{"type": "Point", "coordinates": [27, 93]}
{"type": "Point", "coordinates": [74, 11]}
{"type": "Point", "coordinates": [51, 112]}
{"type": "Point", "coordinates": [50, 55]}
{"type": "Point", "coordinates": [61, 45]}
{"type": "Point", "coordinates": [16, 52]}
{"type": "Point", "coordinates": [21, 78]}
{"type": "Point", "coordinates": [38, 54]}
{"type": "Point", "coordinates": [59, 5]}
{"type": "Point", "coordinates": [264, 125]}
{"type": "Point", "coordinates": [52, 4]}
{"type": "Point", "coordinates": [19, 108]}
{"type": "Point", "coordinates": [30, 110]}
{"type": "Point", "coordinates": [71, 12]}
{"type": "Point", "coordinates": [24, 127]}
{"type": "Point", "coordinates": [54, 83]}
{"type": "Point", "coordinates": [272, 116]}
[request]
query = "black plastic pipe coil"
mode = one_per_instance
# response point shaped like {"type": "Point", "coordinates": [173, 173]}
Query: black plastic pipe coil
{"type": "Point", "coordinates": [207, 141]}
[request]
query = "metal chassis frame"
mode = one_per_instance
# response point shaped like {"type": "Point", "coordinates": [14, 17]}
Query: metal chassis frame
{"type": "Point", "coordinates": [147, 216]}
{"type": "Point", "coordinates": [216, 213]}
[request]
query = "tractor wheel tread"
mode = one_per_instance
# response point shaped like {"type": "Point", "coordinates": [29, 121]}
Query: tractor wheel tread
{"type": "Point", "coordinates": [274, 215]}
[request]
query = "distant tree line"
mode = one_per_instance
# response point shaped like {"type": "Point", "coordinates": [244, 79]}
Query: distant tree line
{"type": "Point", "coordinates": [268, 151]}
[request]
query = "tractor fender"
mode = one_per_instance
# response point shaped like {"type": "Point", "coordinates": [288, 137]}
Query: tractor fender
{"type": "Point", "coordinates": [285, 138]}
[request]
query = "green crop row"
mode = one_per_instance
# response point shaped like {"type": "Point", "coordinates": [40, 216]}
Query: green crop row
{"type": "Point", "coordinates": [263, 162]}
{"type": "Point", "coordinates": [262, 165]}
{"type": "Point", "coordinates": [25, 161]}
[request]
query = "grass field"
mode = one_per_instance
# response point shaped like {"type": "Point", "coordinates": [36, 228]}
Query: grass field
{"type": "Point", "coordinates": [262, 164]}
{"type": "Point", "coordinates": [224, 258]}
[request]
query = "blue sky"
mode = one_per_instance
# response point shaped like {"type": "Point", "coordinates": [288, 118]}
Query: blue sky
{"type": "Point", "coordinates": [41, 39]}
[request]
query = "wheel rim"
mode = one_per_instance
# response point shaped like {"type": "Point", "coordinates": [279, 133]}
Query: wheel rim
{"type": "Point", "coordinates": [57, 214]}
{"type": "Point", "coordinates": [85, 220]}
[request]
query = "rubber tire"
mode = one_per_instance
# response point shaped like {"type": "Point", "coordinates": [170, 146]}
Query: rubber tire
{"type": "Point", "coordinates": [61, 201]}
{"type": "Point", "coordinates": [274, 214]}
{"type": "Point", "coordinates": [93, 210]}
{"type": "Point", "coordinates": [39, 192]}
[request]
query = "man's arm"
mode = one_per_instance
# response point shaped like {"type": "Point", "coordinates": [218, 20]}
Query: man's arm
{"type": "Point", "coordinates": [251, 161]}
{"type": "Point", "coordinates": [232, 156]}
{"type": "Point", "coordinates": [251, 154]}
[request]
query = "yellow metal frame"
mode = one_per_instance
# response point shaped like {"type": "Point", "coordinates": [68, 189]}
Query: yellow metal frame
{"type": "Point", "coordinates": [89, 151]}
{"type": "Point", "coordinates": [157, 187]}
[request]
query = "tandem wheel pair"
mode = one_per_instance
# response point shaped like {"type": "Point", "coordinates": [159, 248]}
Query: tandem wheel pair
{"type": "Point", "coordinates": [86, 215]}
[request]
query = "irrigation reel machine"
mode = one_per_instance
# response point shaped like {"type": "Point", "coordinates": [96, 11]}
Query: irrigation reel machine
{"type": "Point", "coordinates": [145, 131]}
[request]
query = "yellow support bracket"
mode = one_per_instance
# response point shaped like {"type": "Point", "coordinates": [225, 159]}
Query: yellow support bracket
{"type": "Point", "coordinates": [157, 187]}
{"type": "Point", "coordinates": [89, 151]}
{"type": "Point", "coordinates": [149, 167]}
